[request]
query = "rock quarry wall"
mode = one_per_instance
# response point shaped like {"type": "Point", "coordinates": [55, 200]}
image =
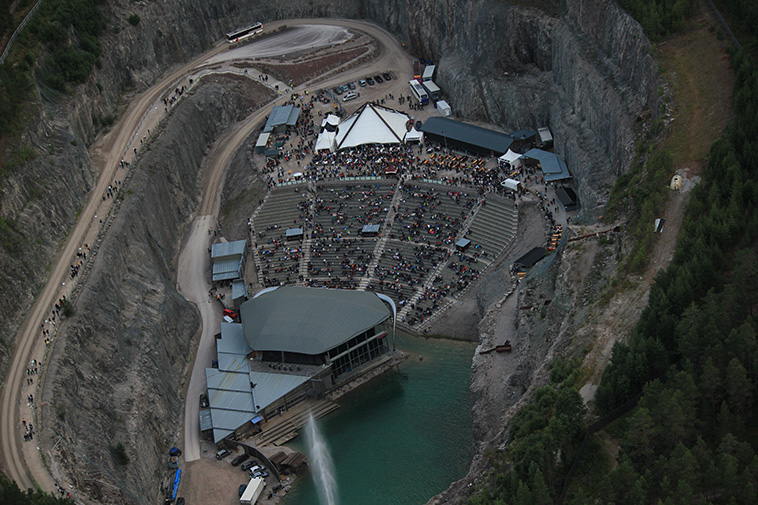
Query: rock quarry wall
{"type": "Point", "coordinates": [580, 66]}
{"type": "Point", "coordinates": [123, 357]}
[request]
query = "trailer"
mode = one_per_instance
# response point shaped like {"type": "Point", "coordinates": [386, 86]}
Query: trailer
{"type": "Point", "coordinates": [252, 491]}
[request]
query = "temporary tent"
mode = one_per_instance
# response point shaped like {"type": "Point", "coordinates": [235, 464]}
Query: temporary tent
{"type": "Point", "coordinates": [513, 159]}
{"type": "Point", "coordinates": [511, 184]}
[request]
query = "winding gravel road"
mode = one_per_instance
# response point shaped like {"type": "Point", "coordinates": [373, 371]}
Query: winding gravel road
{"type": "Point", "coordinates": [23, 462]}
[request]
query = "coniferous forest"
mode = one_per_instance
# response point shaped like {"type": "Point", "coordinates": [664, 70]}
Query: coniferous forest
{"type": "Point", "coordinates": [690, 367]}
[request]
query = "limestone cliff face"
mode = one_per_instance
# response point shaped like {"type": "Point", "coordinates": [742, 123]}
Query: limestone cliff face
{"type": "Point", "coordinates": [580, 66]}
{"type": "Point", "coordinates": [119, 366]}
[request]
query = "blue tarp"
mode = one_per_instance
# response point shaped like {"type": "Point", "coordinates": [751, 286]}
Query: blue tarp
{"type": "Point", "coordinates": [176, 483]}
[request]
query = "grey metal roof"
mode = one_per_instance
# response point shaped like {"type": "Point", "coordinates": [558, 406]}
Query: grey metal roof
{"type": "Point", "coordinates": [282, 115]}
{"type": "Point", "coordinates": [470, 134]}
{"type": "Point", "coordinates": [269, 387]}
{"type": "Point", "coordinates": [232, 362]}
{"type": "Point", "coordinates": [553, 166]}
{"type": "Point", "coordinates": [239, 289]}
{"type": "Point", "coordinates": [293, 232]}
{"type": "Point", "coordinates": [370, 228]}
{"type": "Point", "coordinates": [206, 423]}
{"type": "Point", "coordinates": [227, 270]}
{"type": "Point", "coordinates": [464, 242]}
{"type": "Point", "coordinates": [523, 134]}
{"type": "Point", "coordinates": [232, 339]}
{"type": "Point", "coordinates": [309, 320]}
{"type": "Point", "coordinates": [224, 249]}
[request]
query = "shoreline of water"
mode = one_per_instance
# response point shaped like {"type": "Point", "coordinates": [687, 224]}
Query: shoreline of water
{"type": "Point", "coordinates": [405, 436]}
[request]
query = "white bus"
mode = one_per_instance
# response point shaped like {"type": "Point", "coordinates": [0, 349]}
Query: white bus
{"type": "Point", "coordinates": [419, 92]}
{"type": "Point", "coordinates": [244, 33]}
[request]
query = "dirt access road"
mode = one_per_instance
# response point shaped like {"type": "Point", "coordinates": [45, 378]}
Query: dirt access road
{"type": "Point", "coordinates": [192, 277]}
{"type": "Point", "coordinates": [26, 467]}
{"type": "Point", "coordinates": [106, 155]}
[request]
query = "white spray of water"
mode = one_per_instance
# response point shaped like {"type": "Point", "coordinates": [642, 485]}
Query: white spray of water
{"type": "Point", "coordinates": [322, 465]}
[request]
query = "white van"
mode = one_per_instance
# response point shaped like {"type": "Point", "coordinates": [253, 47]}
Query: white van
{"type": "Point", "coordinates": [350, 96]}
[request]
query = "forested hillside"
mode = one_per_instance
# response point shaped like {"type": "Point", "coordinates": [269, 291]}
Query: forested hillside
{"type": "Point", "coordinates": [692, 361]}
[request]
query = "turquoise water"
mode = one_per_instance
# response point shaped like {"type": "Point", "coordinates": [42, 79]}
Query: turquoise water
{"type": "Point", "coordinates": [403, 437]}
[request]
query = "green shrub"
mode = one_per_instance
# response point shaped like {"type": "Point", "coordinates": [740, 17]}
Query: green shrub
{"type": "Point", "coordinates": [134, 20]}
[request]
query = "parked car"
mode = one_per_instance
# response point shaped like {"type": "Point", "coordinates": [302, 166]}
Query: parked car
{"type": "Point", "coordinates": [242, 489]}
{"type": "Point", "coordinates": [378, 79]}
{"type": "Point", "coordinates": [351, 85]}
{"type": "Point", "coordinates": [337, 90]}
{"type": "Point", "coordinates": [362, 83]}
{"type": "Point", "coordinates": [350, 96]}
{"type": "Point", "coordinates": [345, 88]}
{"type": "Point", "coordinates": [223, 453]}
{"type": "Point", "coordinates": [203, 400]}
{"type": "Point", "coordinates": [247, 465]}
{"type": "Point", "coordinates": [370, 81]}
{"type": "Point", "coordinates": [255, 469]}
{"type": "Point", "coordinates": [230, 313]}
{"type": "Point", "coordinates": [387, 76]}
{"type": "Point", "coordinates": [239, 459]}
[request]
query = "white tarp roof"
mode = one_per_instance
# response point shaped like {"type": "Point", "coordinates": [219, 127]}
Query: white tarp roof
{"type": "Point", "coordinates": [545, 135]}
{"type": "Point", "coordinates": [325, 141]}
{"type": "Point", "coordinates": [371, 124]}
{"type": "Point", "coordinates": [512, 158]}
{"type": "Point", "coordinates": [510, 184]}
{"type": "Point", "coordinates": [262, 140]}
{"type": "Point", "coordinates": [414, 136]}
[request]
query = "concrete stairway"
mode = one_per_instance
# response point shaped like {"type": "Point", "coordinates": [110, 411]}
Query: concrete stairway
{"type": "Point", "coordinates": [284, 428]}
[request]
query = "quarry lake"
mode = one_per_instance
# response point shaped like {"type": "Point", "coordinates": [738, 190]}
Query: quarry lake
{"type": "Point", "coordinates": [404, 436]}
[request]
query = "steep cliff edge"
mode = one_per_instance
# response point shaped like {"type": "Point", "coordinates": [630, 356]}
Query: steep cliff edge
{"type": "Point", "coordinates": [583, 69]}
{"type": "Point", "coordinates": [123, 356]}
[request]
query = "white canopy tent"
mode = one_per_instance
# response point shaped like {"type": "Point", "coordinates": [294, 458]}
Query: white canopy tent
{"type": "Point", "coordinates": [372, 124]}
{"type": "Point", "coordinates": [513, 159]}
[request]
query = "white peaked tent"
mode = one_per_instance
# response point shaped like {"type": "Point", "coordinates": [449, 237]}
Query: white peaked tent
{"type": "Point", "coordinates": [513, 159]}
{"type": "Point", "coordinates": [325, 140]}
{"type": "Point", "coordinates": [371, 124]}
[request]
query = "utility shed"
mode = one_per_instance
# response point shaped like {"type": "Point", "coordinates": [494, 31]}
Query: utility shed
{"type": "Point", "coordinates": [228, 260]}
{"type": "Point", "coordinates": [370, 230]}
{"type": "Point", "coordinates": [462, 244]}
{"type": "Point", "coordinates": [567, 197]}
{"type": "Point", "coordinates": [444, 108]}
{"type": "Point", "coordinates": [293, 234]}
{"type": "Point", "coordinates": [546, 138]}
{"type": "Point", "coordinates": [553, 167]}
{"type": "Point", "coordinates": [260, 145]}
{"type": "Point", "coordinates": [281, 117]}
{"type": "Point", "coordinates": [529, 259]}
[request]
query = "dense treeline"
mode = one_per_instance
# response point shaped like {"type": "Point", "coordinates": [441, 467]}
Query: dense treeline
{"type": "Point", "coordinates": [659, 17]}
{"type": "Point", "coordinates": [545, 438]}
{"type": "Point", "coordinates": [10, 494]}
{"type": "Point", "coordinates": [6, 20]}
{"type": "Point", "coordinates": [694, 352]}
{"type": "Point", "coordinates": [693, 357]}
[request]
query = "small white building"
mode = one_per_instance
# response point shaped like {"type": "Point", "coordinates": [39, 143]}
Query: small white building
{"type": "Point", "coordinates": [444, 108]}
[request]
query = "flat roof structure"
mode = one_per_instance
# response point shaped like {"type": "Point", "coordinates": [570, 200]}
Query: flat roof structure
{"type": "Point", "coordinates": [309, 320]}
{"type": "Point", "coordinates": [529, 259]}
{"type": "Point", "coordinates": [370, 229]}
{"type": "Point", "coordinates": [292, 233]}
{"type": "Point", "coordinates": [467, 136]}
{"type": "Point", "coordinates": [567, 197]}
{"type": "Point", "coordinates": [546, 137]}
{"type": "Point", "coordinates": [239, 289]}
{"type": "Point", "coordinates": [428, 74]}
{"type": "Point", "coordinates": [282, 115]}
{"type": "Point", "coordinates": [226, 249]}
{"type": "Point", "coordinates": [227, 260]}
{"type": "Point", "coordinates": [236, 392]}
{"type": "Point", "coordinates": [553, 166]}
